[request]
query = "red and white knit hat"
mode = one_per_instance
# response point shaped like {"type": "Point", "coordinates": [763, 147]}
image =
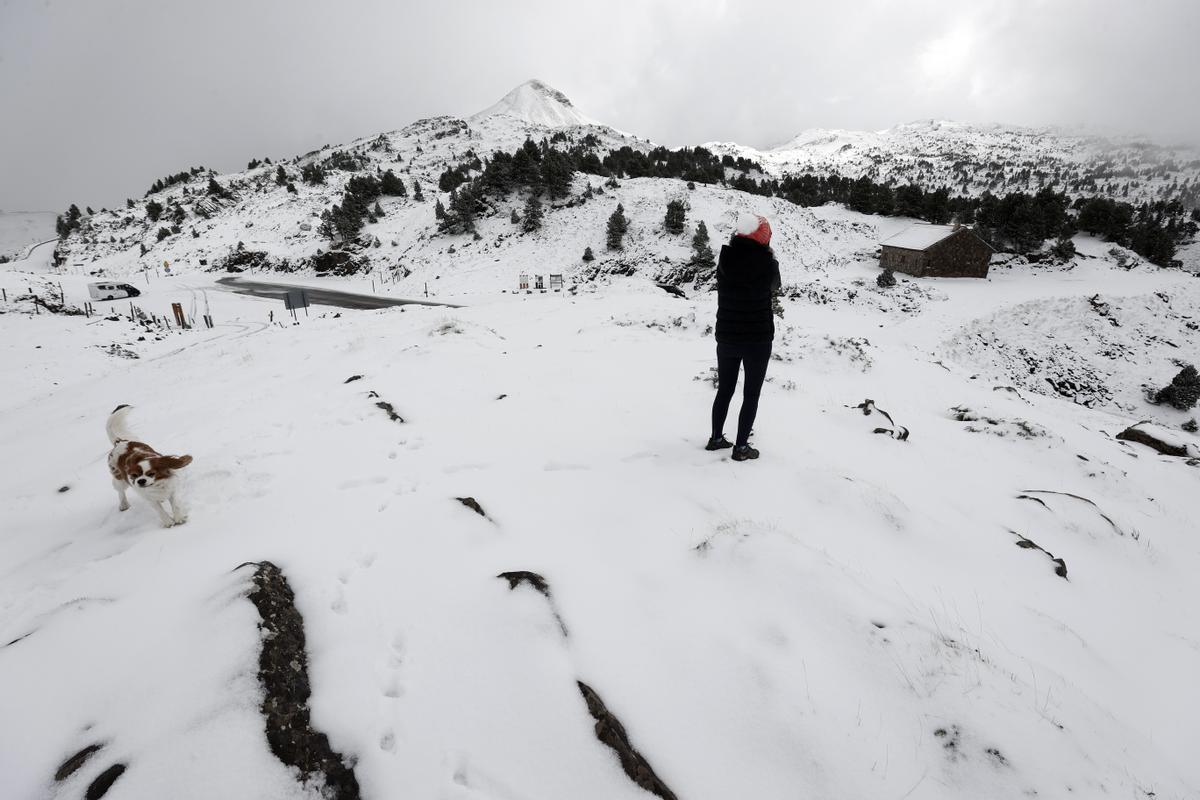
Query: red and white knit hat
{"type": "Point", "coordinates": [753, 226]}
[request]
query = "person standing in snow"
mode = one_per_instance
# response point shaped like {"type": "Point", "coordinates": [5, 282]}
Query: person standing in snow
{"type": "Point", "coordinates": [747, 276]}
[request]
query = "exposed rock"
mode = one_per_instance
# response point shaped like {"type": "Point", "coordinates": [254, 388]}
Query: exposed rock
{"type": "Point", "coordinates": [539, 585]}
{"type": "Point", "coordinates": [982, 423]}
{"type": "Point", "coordinates": [1060, 566]}
{"type": "Point", "coordinates": [898, 432]}
{"type": "Point", "coordinates": [1159, 442]}
{"type": "Point", "coordinates": [385, 406]}
{"type": "Point", "coordinates": [338, 262]}
{"type": "Point", "coordinates": [1028, 495]}
{"type": "Point", "coordinates": [353, 378]}
{"type": "Point", "coordinates": [473, 504]}
{"type": "Point", "coordinates": [519, 577]}
{"type": "Point", "coordinates": [104, 781]}
{"type": "Point", "coordinates": [610, 731]}
{"type": "Point", "coordinates": [72, 764]}
{"type": "Point", "coordinates": [283, 672]}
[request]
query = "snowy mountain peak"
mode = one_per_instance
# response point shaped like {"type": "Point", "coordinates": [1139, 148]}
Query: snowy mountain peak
{"type": "Point", "coordinates": [537, 102]}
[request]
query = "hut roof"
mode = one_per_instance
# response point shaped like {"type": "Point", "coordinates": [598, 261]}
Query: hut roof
{"type": "Point", "coordinates": [919, 237]}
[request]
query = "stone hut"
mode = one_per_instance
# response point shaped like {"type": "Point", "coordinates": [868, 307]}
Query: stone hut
{"type": "Point", "coordinates": [942, 251]}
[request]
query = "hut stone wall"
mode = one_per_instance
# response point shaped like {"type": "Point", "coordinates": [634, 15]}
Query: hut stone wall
{"type": "Point", "coordinates": [960, 255]}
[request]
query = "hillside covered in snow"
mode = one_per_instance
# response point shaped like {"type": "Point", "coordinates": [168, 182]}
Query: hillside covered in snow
{"type": "Point", "coordinates": [972, 159]}
{"type": "Point", "coordinates": [478, 552]}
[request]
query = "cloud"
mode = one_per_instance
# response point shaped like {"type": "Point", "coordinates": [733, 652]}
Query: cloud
{"type": "Point", "coordinates": [102, 98]}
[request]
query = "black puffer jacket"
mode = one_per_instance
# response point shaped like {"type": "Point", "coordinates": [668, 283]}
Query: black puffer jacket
{"type": "Point", "coordinates": [747, 274]}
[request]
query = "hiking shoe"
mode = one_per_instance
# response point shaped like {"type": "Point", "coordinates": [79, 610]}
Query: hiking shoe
{"type": "Point", "coordinates": [743, 452]}
{"type": "Point", "coordinates": [718, 443]}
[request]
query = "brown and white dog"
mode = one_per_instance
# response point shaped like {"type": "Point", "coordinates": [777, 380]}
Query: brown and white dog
{"type": "Point", "coordinates": [138, 466]}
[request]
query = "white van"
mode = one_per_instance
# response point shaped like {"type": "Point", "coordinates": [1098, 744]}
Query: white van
{"type": "Point", "coordinates": [111, 291]}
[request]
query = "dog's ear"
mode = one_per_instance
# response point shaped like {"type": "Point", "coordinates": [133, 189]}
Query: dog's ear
{"type": "Point", "coordinates": [175, 462]}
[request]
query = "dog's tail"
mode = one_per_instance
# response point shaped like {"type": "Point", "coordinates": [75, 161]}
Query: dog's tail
{"type": "Point", "coordinates": [116, 426]}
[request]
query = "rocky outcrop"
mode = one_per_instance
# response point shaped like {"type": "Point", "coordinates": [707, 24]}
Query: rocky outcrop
{"type": "Point", "coordinates": [610, 731]}
{"type": "Point", "coordinates": [283, 673]}
{"type": "Point", "coordinates": [1161, 441]}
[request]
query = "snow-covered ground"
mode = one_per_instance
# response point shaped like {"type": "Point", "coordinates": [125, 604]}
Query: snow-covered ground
{"type": "Point", "coordinates": [849, 616]}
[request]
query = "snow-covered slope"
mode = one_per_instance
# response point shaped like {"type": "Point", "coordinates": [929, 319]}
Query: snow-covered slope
{"type": "Point", "coordinates": [538, 103]}
{"type": "Point", "coordinates": [971, 159]}
{"type": "Point", "coordinates": [849, 616]}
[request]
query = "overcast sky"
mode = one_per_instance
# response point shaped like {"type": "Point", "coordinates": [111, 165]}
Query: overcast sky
{"type": "Point", "coordinates": [100, 97]}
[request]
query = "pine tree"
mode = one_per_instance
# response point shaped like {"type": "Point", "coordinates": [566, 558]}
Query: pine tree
{"type": "Point", "coordinates": [461, 217]}
{"type": "Point", "coordinates": [417, 192]}
{"type": "Point", "coordinates": [676, 216]}
{"type": "Point", "coordinates": [558, 170]}
{"type": "Point", "coordinates": [154, 210]}
{"type": "Point", "coordinates": [1183, 392]}
{"type": "Point", "coordinates": [588, 255]}
{"type": "Point", "coordinates": [390, 184]}
{"type": "Point", "coordinates": [514, 218]}
{"type": "Point", "coordinates": [216, 189]}
{"type": "Point", "coordinates": [281, 178]}
{"type": "Point", "coordinates": [291, 187]}
{"type": "Point", "coordinates": [89, 211]}
{"type": "Point", "coordinates": [702, 254]}
{"type": "Point", "coordinates": [178, 214]}
{"type": "Point", "coordinates": [312, 173]}
{"type": "Point", "coordinates": [129, 202]}
{"type": "Point", "coordinates": [617, 226]}
{"type": "Point", "coordinates": [377, 210]}
{"type": "Point", "coordinates": [439, 210]}
{"type": "Point", "coordinates": [886, 279]}
{"type": "Point", "coordinates": [533, 214]}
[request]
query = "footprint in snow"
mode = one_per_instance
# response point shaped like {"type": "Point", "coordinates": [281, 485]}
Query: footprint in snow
{"type": "Point", "coordinates": [339, 604]}
{"type": "Point", "coordinates": [390, 685]}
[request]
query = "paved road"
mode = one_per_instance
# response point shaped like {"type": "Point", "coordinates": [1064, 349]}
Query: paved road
{"type": "Point", "coordinates": [321, 296]}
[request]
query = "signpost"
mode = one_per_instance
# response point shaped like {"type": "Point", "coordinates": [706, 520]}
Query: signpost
{"type": "Point", "coordinates": [296, 298]}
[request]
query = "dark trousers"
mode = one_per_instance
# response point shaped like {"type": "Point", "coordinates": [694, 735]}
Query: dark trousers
{"type": "Point", "coordinates": [729, 357]}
